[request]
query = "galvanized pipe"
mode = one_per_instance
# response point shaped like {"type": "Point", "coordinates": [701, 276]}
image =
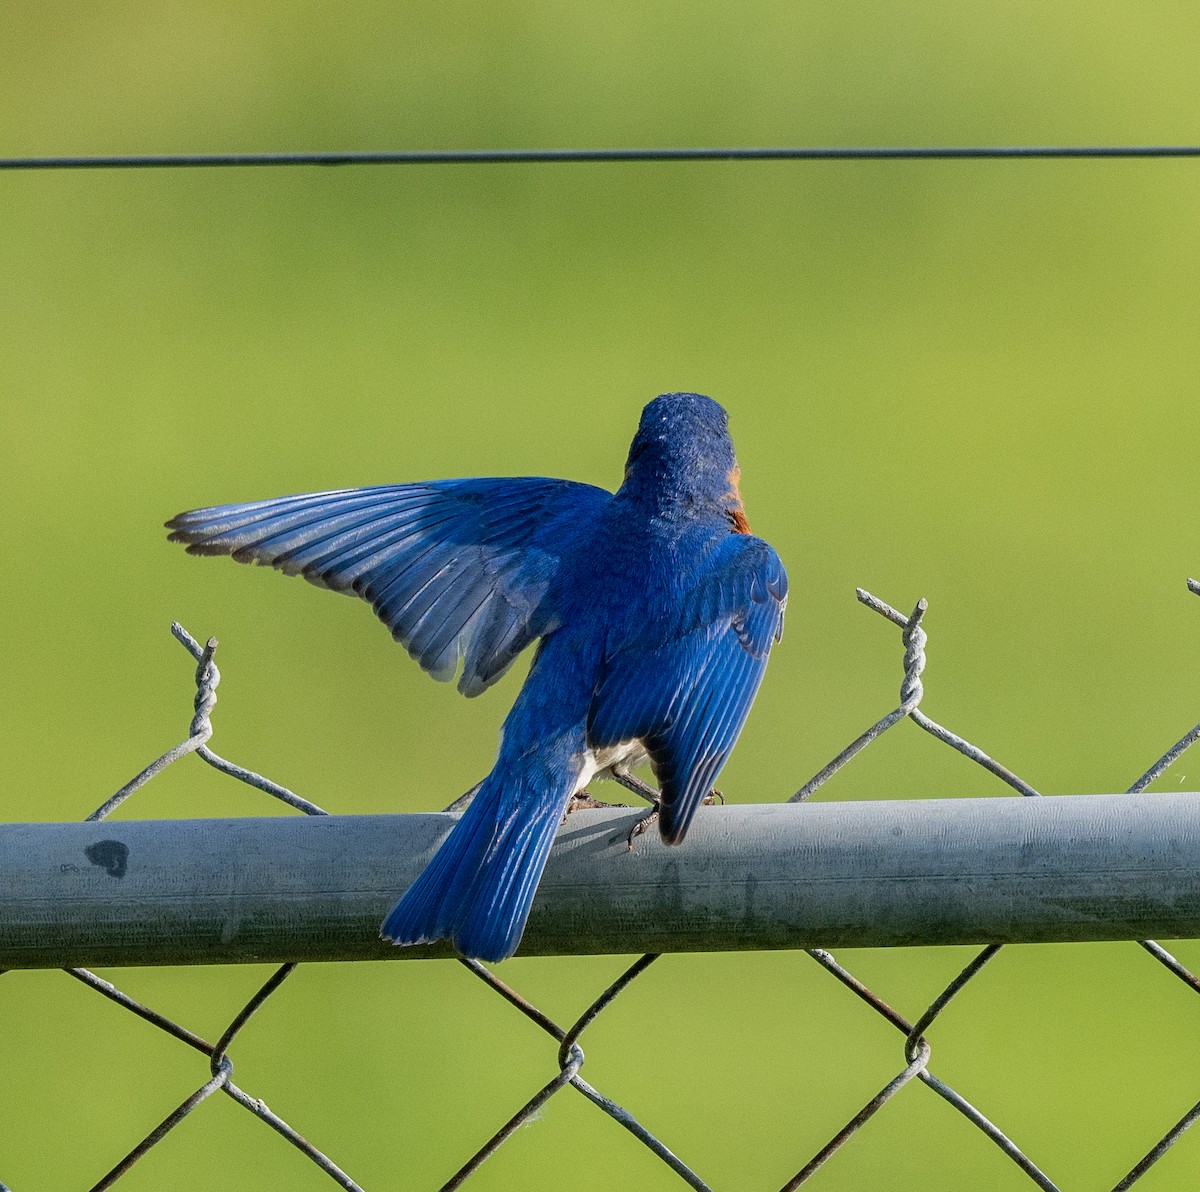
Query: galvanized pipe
{"type": "Point", "coordinates": [758, 876]}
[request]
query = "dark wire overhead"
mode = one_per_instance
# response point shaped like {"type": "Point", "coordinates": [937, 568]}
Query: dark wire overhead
{"type": "Point", "coordinates": [404, 157]}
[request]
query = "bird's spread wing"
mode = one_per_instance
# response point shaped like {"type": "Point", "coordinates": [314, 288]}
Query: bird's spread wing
{"type": "Point", "coordinates": [686, 694]}
{"type": "Point", "coordinates": [454, 568]}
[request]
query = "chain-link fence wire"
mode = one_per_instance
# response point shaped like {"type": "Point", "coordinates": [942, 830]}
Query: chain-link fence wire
{"type": "Point", "coordinates": [917, 1050]}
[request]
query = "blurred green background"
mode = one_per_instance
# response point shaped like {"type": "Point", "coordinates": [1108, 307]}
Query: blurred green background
{"type": "Point", "coordinates": [972, 382]}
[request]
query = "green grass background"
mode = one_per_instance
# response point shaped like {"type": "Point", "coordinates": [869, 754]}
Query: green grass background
{"type": "Point", "coordinates": [970, 381]}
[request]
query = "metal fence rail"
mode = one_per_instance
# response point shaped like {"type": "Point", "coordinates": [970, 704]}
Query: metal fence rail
{"type": "Point", "coordinates": [1074, 867]}
{"type": "Point", "coordinates": [872, 874]}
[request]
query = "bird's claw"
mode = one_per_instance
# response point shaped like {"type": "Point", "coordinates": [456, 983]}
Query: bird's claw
{"type": "Point", "coordinates": [582, 801]}
{"type": "Point", "coordinates": [640, 826]}
{"type": "Point", "coordinates": [714, 796]}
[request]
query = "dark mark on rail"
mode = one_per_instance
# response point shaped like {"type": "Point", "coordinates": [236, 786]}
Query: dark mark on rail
{"type": "Point", "coordinates": [111, 855]}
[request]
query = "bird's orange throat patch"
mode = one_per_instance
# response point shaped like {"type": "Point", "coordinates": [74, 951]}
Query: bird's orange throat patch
{"type": "Point", "coordinates": [737, 511]}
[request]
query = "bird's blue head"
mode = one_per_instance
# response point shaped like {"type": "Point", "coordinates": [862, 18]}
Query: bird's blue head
{"type": "Point", "coordinates": [682, 459]}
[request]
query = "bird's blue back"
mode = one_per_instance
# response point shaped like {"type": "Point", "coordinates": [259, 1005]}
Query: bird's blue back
{"type": "Point", "coordinates": [655, 608]}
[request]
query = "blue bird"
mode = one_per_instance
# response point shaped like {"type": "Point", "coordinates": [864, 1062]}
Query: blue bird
{"type": "Point", "coordinates": [655, 608]}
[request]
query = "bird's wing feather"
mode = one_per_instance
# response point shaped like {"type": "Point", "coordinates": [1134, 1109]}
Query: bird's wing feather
{"type": "Point", "coordinates": [454, 568]}
{"type": "Point", "coordinates": [686, 694]}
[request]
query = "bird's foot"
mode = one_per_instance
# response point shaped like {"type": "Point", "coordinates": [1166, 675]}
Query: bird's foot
{"type": "Point", "coordinates": [638, 828]}
{"type": "Point", "coordinates": [713, 796]}
{"type": "Point", "coordinates": [582, 801]}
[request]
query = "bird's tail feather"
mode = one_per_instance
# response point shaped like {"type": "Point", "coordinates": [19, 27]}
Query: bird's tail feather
{"type": "Point", "coordinates": [478, 888]}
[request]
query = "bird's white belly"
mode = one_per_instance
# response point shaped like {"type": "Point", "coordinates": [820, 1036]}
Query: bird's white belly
{"type": "Point", "coordinates": [599, 762]}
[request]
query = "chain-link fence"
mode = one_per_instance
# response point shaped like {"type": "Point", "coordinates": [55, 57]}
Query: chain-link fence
{"type": "Point", "coordinates": [915, 1047]}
